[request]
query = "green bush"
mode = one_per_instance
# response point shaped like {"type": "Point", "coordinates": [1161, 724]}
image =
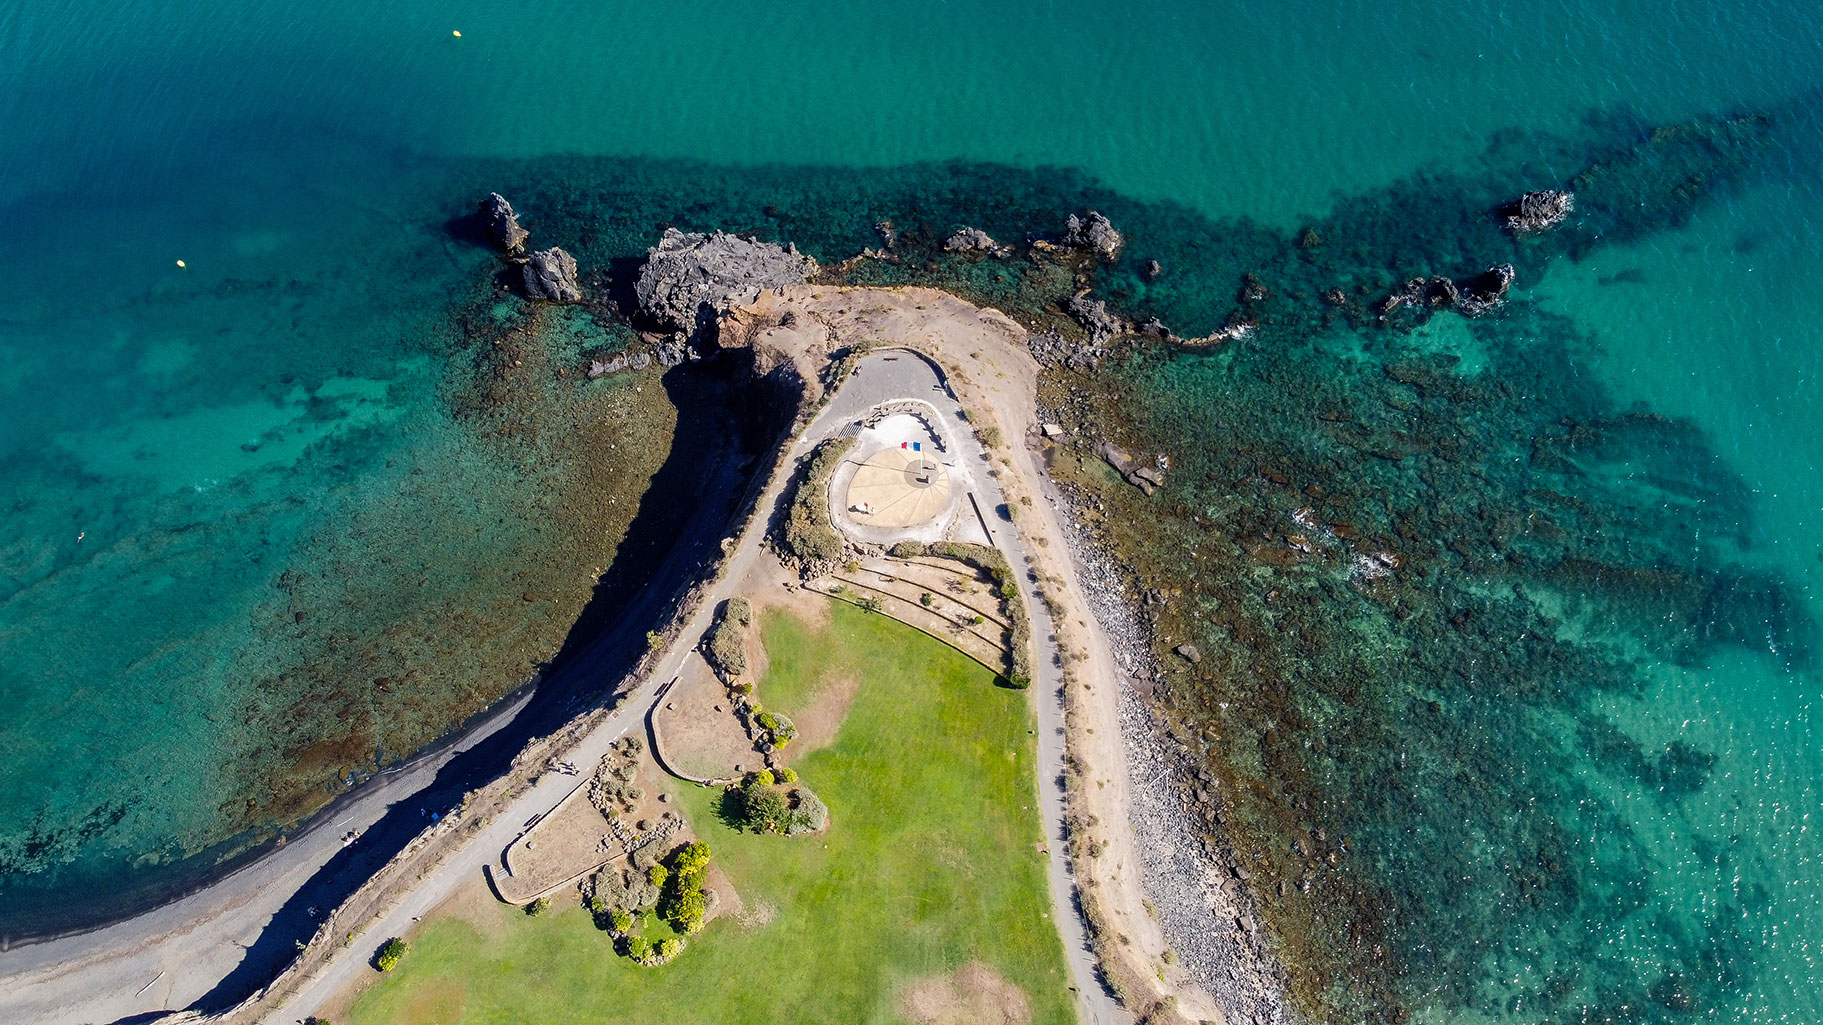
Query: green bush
{"type": "Point", "coordinates": [760, 808]}
{"type": "Point", "coordinates": [764, 777]}
{"type": "Point", "coordinates": [808, 813]}
{"type": "Point", "coordinates": [926, 600]}
{"type": "Point", "coordinates": [785, 774]}
{"type": "Point", "coordinates": [809, 537]}
{"type": "Point", "coordinates": [639, 948]}
{"type": "Point", "coordinates": [538, 907]}
{"type": "Point", "coordinates": [725, 647]}
{"type": "Point", "coordinates": [657, 874]}
{"type": "Point", "coordinates": [620, 921]}
{"type": "Point", "coordinates": [668, 948]}
{"type": "Point", "coordinates": [389, 955]}
{"type": "Point", "coordinates": [740, 610]}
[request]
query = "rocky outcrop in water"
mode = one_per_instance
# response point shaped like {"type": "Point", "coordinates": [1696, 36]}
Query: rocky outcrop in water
{"type": "Point", "coordinates": [1471, 297]}
{"type": "Point", "coordinates": [550, 274]}
{"type": "Point", "coordinates": [1094, 232]}
{"type": "Point", "coordinates": [974, 240]}
{"type": "Point", "coordinates": [1537, 212]}
{"type": "Point", "coordinates": [1093, 314]}
{"type": "Point", "coordinates": [690, 280]}
{"type": "Point", "coordinates": [1481, 293]}
{"type": "Point", "coordinates": [503, 224]}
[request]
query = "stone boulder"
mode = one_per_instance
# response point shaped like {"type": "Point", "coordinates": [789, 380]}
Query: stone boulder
{"type": "Point", "coordinates": [1094, 232]}
{"type": "Point", "coordinates": [1481, 293]}
{"type": "Point", "coordinates": [691, 279]}
{"type": "Point", "coordinates": [1537, 212]}
{"type": "Point", "coordinates": [1095, 317]}
{"type": "Point", "coordinates": [503, 224]}
{"type": "Point", "coordinates": [1470, 297]}
{"type": "Point", "coordinates": [974, 240]}
{"type": "Point", "coordinates": [550, 274]}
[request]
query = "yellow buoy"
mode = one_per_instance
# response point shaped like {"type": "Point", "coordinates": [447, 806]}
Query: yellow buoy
{"type": "Point", "coordinates": [458, 35]}
{"type": "Point", "coordinates": [180, 263]}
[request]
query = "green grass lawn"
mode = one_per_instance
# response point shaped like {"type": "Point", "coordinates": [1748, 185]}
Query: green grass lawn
{"type": "Point", "coordinates": [929, 863]}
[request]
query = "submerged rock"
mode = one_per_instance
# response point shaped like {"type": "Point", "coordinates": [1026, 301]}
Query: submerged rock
{"type": "Point", "coordinates": [690, 280]}
{"type": "Point", "coordinates": [1539, 211]}
{"type": "Point", "coordinates": [1094, 232]}
{"type": "Point", "coordinates": [503, 224]}
{"type": "Point", "coordinates": [550, 274]}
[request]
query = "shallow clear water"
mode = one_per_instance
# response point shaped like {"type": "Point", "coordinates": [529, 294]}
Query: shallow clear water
{"type": "Point", "coordinates": [290, 399]}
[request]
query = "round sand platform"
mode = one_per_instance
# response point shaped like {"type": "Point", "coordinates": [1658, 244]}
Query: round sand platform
{"type": "Point", "coordinates": [898, 488]}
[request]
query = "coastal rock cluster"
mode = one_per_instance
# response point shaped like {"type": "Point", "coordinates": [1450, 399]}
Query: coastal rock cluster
{"type": "Point", "coordinates": [1095, 233]}
{"type": "Point", "coordinates": [1537, 212]}
{"type": "Point", "coordinates": [550, 274]}
{"type": "Point", "coordinates": [503, 224]}
{"type": "Point", "coordinates": [974, 240]}
{"type": "Point", "coordinates": [1471, 297]}
{"type": "Point", "coordinates": [691, 279]}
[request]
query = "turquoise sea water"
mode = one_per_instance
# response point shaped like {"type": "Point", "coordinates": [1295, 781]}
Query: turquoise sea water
{"type": "Point", "coordinates": [291, 399]}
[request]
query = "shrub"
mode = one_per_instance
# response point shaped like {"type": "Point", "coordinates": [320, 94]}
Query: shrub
{"type": "Point", "coordinates": [668, 948]}
{"type": "Point", "coordinates": [808, 536]}
{"type": "Point", "coordinates": [639, 948]}
{"type": "Point", "coordinates": [620, 921]}
{"type": "Point", "coordinates": [725, 648]}
{"type": "Point", "coordinates": [389, 955]}
{"type": "Point", "coordinates": [870, 604]}
{"type": "Point", "coordinates": [538, 907]}
{"type": "Point", "coordinates": [763, 777]}
{"type": "Point", "coordinates": [808, 813]}
{"type": "Point", "coordinates": [761, 808]}
{"type": "Point", "coordinates": [691, 857]}
{"type": "Point", "coordinates": [656, 875]}
{"type": "Point", "coordinates": [740, 610]}
{"type": "Point", "coordinates": [926, 600]}
{"type": "Point", "coordinates": [684, 909]}
{"type": "Point", "coordinates": [785, 774]}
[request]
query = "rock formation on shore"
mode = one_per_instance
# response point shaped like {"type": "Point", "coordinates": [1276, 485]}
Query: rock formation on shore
{"type": "Point", "coordinates": [1095, 232]}
{"type": "Point", "coordinates": [550, 274]}
{"type": "Point", "coordinates": [503, 224]}
{"type": "Point", "coordinates": [1095, 318]}
{"type": "Point", "coordinates": [690, 280]}
{"type": "Point", "coordinates": [1539, 211]}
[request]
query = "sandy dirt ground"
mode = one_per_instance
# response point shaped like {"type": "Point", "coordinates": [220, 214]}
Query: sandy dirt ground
{"type": "Point", "coordinates": [702, 736]}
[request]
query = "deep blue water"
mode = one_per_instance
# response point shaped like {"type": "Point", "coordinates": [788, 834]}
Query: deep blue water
{"type": "Point", "coordinates": [176, 440]}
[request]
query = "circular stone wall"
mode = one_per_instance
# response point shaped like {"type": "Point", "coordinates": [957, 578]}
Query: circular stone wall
{"type": "Point", "coordinates": [898, 488]}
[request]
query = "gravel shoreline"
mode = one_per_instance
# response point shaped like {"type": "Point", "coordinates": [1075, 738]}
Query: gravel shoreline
{"type": "Point", "coordinates": [1200, 898]}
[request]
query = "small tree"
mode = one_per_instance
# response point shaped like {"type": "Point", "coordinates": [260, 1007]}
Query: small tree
{"type": "Point", "coordinates": [763, 809]}
{"type": "Point", "coordinates": [621, 922]}
{"type": "Point", "coordinates": [538, 907]}
{"type": "Point", "coordinates": [657, 875]}
{"type": "Point", "coordinates": [390, 954]}
{"type": "Point", "coordinates": [668, 948]}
